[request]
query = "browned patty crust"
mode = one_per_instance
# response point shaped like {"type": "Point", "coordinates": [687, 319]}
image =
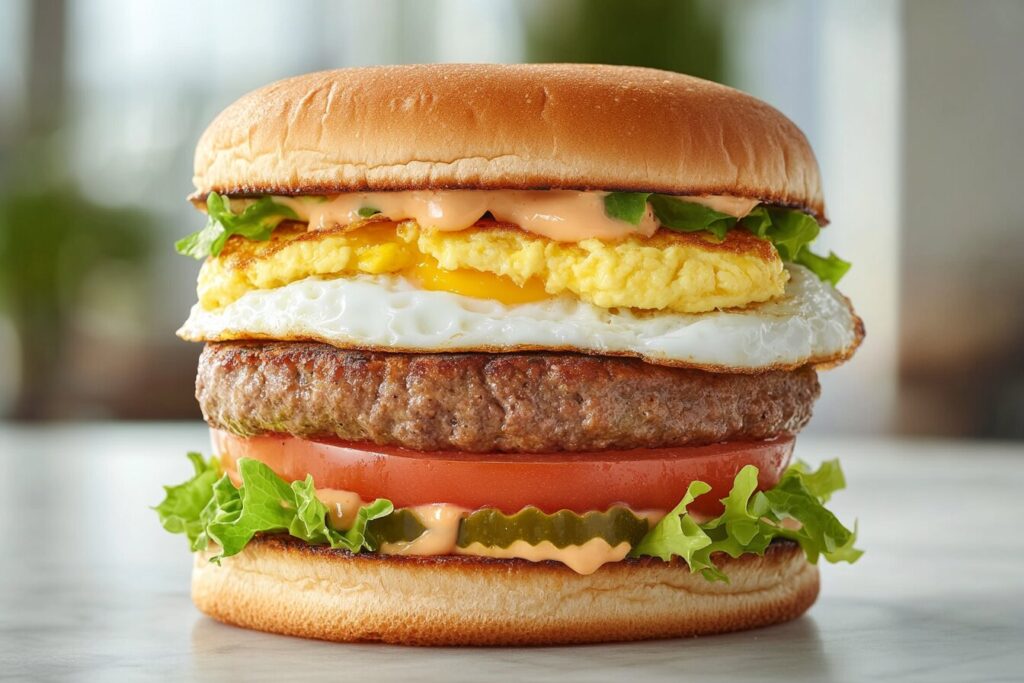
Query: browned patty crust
{"type": "Point", "coordinates": [516, 402]}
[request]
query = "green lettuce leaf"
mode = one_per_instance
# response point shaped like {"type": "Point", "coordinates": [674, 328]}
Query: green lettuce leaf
{"type": "Point", "coordinates": [758, 221]}
{"type": "Point", "coordinates": [256, 222]}
{"type": "Point", "coordinates": [820, 533]}
{"type": "Point", "coordinates": [683, 216]}
{"type": "Point", "coordinates": [677, 534]}
{"type": "Point", "coordinates": [183, 504]}
{"type": "Point", "coordinates": [822, 482]}
{"type": "Point", "coordinates": [219, 516]}
{"type": "Point", "coordinates": [739, 529]}
{"type": "Point", "coordinates": [209, 508]}
{"type": "Point", "coordinates": [789, 230]}
{"type": "Point", "coordinates": [626, 206]}
{"type": "Point", "coordinates": [752, 519]}
{"type": "Point", "coordinates": [830, 269]}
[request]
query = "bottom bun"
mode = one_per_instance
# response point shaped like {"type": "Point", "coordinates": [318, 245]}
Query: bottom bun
{"type": "Point", "coordinates": [285, 586]}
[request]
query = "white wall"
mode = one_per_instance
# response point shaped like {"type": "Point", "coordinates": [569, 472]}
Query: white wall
{"type": "Point", "coordinates": [963, 278]}
{"type": "Point", "coordinates": [835, 68]}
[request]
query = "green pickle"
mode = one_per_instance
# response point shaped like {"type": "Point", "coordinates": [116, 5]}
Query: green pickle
{"type": "Point", "coordinates": [401, 526]}
{"type": "Point", "coordinates": [564, 528]}
{"type": "Point", "coordinates": [493, 528]}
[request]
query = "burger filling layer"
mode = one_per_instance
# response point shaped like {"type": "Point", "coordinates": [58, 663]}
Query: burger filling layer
{"type": "Point", "coordinates": [695, 254]}
{"type": "Point", "coordinates": [582, 542]}
{"type": "Point", "coordinates": [227, 509]}
{"type": "Point", "coordinates": [715, 283]}
{"type": "Point", "coordinates": [510, 402]}
{"type": "Point", "coordinates": [689, 273]}
{"type": "Point", "coordinates": [809, 323]}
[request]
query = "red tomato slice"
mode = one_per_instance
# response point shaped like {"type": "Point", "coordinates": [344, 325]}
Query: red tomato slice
{"type": "Point", "coordinates": [643, 479]}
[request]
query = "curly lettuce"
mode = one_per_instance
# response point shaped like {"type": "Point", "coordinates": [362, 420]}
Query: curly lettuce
{"type": "Point", "coordinates": [210, 508]}
{"type": "Point", "coordinates": [256, 222]}
{"type": "Point", "coordinates": [789, 231]}
{"type": "Point", "coordinates": [752, 519]}
{"type": "Point", "coordinates": [183, 504]}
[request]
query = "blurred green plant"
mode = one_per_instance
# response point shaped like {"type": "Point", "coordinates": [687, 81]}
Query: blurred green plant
{"type": "Point", "coordinates": [677, 35]}
{"type": "Point", "coordinates": [51, 238]}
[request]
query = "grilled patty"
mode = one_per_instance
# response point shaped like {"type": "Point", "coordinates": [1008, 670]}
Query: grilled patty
{"type": "Point", "coordinates": [515, 402]}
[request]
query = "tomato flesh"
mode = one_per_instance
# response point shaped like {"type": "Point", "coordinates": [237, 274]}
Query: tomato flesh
{"type": "Point", "coordinates": [643, 479]}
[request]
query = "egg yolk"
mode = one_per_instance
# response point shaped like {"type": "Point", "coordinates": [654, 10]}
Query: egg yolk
{"type": "Point", "coordinates": [427, 274]}
{"type": "Point", "coordinates": [378, 248]}
{"type": "Point", "coordinates": [685, 273]}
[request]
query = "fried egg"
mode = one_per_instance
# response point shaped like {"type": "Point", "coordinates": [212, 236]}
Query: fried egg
{"type": "Point", "coordinates": [683, 273]}
{"type": "Point", "coordinates": [809, 323]}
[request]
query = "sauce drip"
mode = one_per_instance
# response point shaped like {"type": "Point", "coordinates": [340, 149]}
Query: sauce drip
{"type": "Point", "coordinates": [560, 215]}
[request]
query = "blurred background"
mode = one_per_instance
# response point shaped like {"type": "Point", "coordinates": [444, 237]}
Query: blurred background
{"type": "Point", "coordinates": [914, 107]}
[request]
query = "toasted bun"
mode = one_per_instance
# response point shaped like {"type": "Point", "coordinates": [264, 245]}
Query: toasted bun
{"type": "Point", "coordinates": [485, 126]}
{"type": "Point", "coordinates": [283, 586]}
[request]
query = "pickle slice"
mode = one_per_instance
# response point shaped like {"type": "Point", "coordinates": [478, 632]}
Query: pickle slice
{"type": "Point", "coordinates": [401, 526]}
{"type": "Point", "coordinates": [491, 527]}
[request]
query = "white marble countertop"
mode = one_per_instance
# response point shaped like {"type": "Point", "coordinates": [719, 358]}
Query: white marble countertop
{"type": "Point", "coordinates": [92, 589]}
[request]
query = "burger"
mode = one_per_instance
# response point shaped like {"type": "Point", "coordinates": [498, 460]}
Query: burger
{"type": "Point", "coordinates": [508, 355]}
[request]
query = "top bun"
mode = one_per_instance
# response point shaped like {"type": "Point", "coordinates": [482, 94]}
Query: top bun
{"type": "Point", "coordinates": [524, 126]}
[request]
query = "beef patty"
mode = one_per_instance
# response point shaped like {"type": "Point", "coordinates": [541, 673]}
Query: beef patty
{"type": "Point", "coordinates": [515, 402]}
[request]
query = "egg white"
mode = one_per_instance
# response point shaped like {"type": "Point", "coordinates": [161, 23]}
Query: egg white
{"type": "Point", "coordinates": [810, 323]}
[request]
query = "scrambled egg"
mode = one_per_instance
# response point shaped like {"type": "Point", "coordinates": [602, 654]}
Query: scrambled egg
{"type": "Point", "coordinates": [683, 273]}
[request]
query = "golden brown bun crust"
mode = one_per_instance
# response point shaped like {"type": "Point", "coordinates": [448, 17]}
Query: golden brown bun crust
{"type": "Point", "coordinates": [288, 587]}
{"type": "Point", "coordinates": [523, 126]}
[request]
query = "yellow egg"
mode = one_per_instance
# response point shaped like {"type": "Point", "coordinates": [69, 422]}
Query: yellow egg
{"type": "Point", "coordinates": [683, 273]}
